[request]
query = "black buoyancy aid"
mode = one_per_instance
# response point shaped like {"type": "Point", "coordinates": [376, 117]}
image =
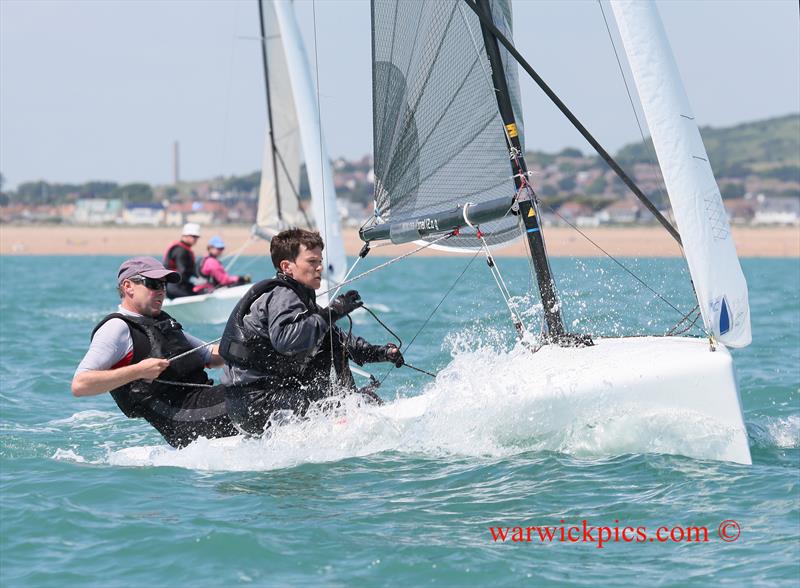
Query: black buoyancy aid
{"type": "Point", "coordinates": [246, 349]}
{"type": "Point", "coordinates": [170, 255]}
{"type": "Point", "coordinates": [162, 337]}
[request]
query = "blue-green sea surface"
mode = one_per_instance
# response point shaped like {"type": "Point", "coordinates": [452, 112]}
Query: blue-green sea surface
{"type": "Point", "coordinates": [366, 498]}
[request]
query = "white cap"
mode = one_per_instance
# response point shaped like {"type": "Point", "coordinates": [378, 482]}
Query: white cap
{"type": "Point", "coordinates": [191, 229]}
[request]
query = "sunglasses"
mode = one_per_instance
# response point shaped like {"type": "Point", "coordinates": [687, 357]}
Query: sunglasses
{"type": "Point", "coordinates": [149, 283]}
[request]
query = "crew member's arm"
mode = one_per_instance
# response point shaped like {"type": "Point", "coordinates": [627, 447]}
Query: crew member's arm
{"type": "Point", "coordinates": [209, 352]}
{"type": "Point", "coordinates": [362, 351]}
{"type": "Point", "coordinates": [93, 382]}
{"type": "Point", "coordinates": [106, 364]}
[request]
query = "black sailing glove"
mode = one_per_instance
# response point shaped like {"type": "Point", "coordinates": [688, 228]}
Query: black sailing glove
{"type": "Point", "coordinates": [343, 305]}
{"type": "Point", "coordinates": [391, 353]}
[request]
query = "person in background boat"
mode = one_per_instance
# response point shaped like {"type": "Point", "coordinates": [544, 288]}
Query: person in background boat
{"type": "Point", "coordinates": [213, 272]}
{"type": "Point", "coordinates": [179, 257]}
{"type": "Point", "coordinates": [279, 346]}
{"type": "Point", "coordinates": [128, 357]}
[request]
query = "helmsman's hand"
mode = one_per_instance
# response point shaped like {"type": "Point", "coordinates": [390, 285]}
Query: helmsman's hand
{"type": "Point", "coordinates": [151, 368]}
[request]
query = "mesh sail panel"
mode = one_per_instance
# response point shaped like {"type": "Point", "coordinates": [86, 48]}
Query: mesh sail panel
{"type": "Point", "coordinates": [438, 138]}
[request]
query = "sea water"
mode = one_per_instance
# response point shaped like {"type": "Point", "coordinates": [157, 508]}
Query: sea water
{"type": "Point", "coordinates": [421, 490]}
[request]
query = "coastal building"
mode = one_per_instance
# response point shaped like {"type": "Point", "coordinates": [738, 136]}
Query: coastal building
{"type": "Point", "coordinates": [740, 210]}
{"type": "Point", "coordinates": [774, 210]}
{"type": "Point", "coordinates": [143, 213]}
{"type": "Point", "coordinates": [96, 211]}
{"type": "Point", "coordinates": [622, 212]}
{"type": "Point", "coordinates": [577, 214]}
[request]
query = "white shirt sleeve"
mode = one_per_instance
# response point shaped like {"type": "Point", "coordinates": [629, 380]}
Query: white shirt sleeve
{"type": "Point", "coordinates": [195, 342]}
{"type": "Point", "coordinates": [110, 344]}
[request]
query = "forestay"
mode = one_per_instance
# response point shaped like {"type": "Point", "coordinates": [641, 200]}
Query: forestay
{"type": "Point", "coordinates": [439, 141]}
{"type": "Point", "coordinates": [696, 202]}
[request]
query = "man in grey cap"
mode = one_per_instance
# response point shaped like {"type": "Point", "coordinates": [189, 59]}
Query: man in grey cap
{"type": "Point", "coordinates": [153, 369]}
{"type": "Point", "coordinates": [180, 258]}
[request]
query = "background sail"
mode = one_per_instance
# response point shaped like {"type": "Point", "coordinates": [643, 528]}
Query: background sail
{"type": "Point", "coordinates": [439, 140]}
{"type": "Point", "coordinates": [287, 138]}
{"type": "Point", "coordinates": [693, 192]}
{"type": "Point", "coordinates": [320, 176]}
{"type": "Point", "coordinates": [297, 128]}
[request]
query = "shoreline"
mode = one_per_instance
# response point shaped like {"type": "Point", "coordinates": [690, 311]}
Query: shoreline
{"type": "Point", "coordinates": [561, 241]}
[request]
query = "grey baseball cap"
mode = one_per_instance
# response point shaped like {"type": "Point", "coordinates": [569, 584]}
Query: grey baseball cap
{"type": "Point", "coordinates": [149, 267]}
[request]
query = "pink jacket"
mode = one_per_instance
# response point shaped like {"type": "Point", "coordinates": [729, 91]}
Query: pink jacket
{"type": "Point", "coordinates": [212, 270]}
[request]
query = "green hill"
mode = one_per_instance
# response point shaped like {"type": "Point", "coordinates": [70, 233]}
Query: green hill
{"type": "Point", "coordinates": [768, 147]}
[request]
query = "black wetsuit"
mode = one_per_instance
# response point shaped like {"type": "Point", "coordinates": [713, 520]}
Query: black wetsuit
{"type": "Point", "coordinates": [180, 258]}
{"type": "Point", "coordinates": [181, 413]}
{"type": "Point", "coordinates": [279, 356]}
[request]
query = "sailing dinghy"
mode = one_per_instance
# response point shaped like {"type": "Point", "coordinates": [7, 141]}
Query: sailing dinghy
{"type": "Point", "coordinates": [293, 135]}
{"type": "Point", "coordinates": [450, 171]}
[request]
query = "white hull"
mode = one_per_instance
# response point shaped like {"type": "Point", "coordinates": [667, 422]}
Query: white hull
{"type": "Point", "coordinates": [216, 307]}
{"type": "Point", "coordinates": [628, 395]}
{"type": "Point", "coordinates": [623, 396]}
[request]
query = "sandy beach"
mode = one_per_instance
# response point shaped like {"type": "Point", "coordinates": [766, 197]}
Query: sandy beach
{"type": "Point", "coordinates": [561, 242]}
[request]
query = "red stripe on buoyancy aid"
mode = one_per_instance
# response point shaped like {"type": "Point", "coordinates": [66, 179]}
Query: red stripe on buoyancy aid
{"type": "Point", "coordinates": [127, 360]}
{"type": "Point", "coordinates": [169, 261]}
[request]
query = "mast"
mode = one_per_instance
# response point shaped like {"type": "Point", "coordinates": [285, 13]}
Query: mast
{"type": "Point", "coordinates": [273, 148]}
{"type": "Point", "coordinates": [487, 22]}
{"type": "Point", "coordinates": [528, 209]}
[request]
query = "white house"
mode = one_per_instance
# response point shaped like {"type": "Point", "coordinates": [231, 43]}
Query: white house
{"type": "Point", "coordinates": [143, 214]}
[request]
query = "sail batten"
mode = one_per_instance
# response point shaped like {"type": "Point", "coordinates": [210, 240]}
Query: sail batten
{"type": "Point", "coordinates": [693, 192]}
{"type": "Point", "coordinates": [437, 131]}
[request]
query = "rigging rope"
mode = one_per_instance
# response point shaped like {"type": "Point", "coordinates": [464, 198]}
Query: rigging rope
{"type": "Point", "coordinates": [615, 260]}
{"type": "Point", "coordinates": [674, 331]}
{"type": "Point", "coordinates": [649, 147]}
{"type": "Point", "coordinates": [388, 263]}
{"type": "Point", "coordinates": [435, 309]}
{"type": "Point", "coordinates": [321, 161]}
{"type": "Point", "coordinates": [184, 354]}
{"type": "Point", "coordinates": [498, 277]}
{"type": "Point", "coordinates": [239, 252]}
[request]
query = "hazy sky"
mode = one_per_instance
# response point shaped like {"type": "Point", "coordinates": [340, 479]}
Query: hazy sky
{"type": "Point", "coordinates": [100, 89]}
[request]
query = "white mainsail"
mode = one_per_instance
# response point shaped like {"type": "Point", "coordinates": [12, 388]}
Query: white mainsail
{"type": "Point", "coordinates": [696, 202]}
{"type": "Point", "coordinates": [320, 177]}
